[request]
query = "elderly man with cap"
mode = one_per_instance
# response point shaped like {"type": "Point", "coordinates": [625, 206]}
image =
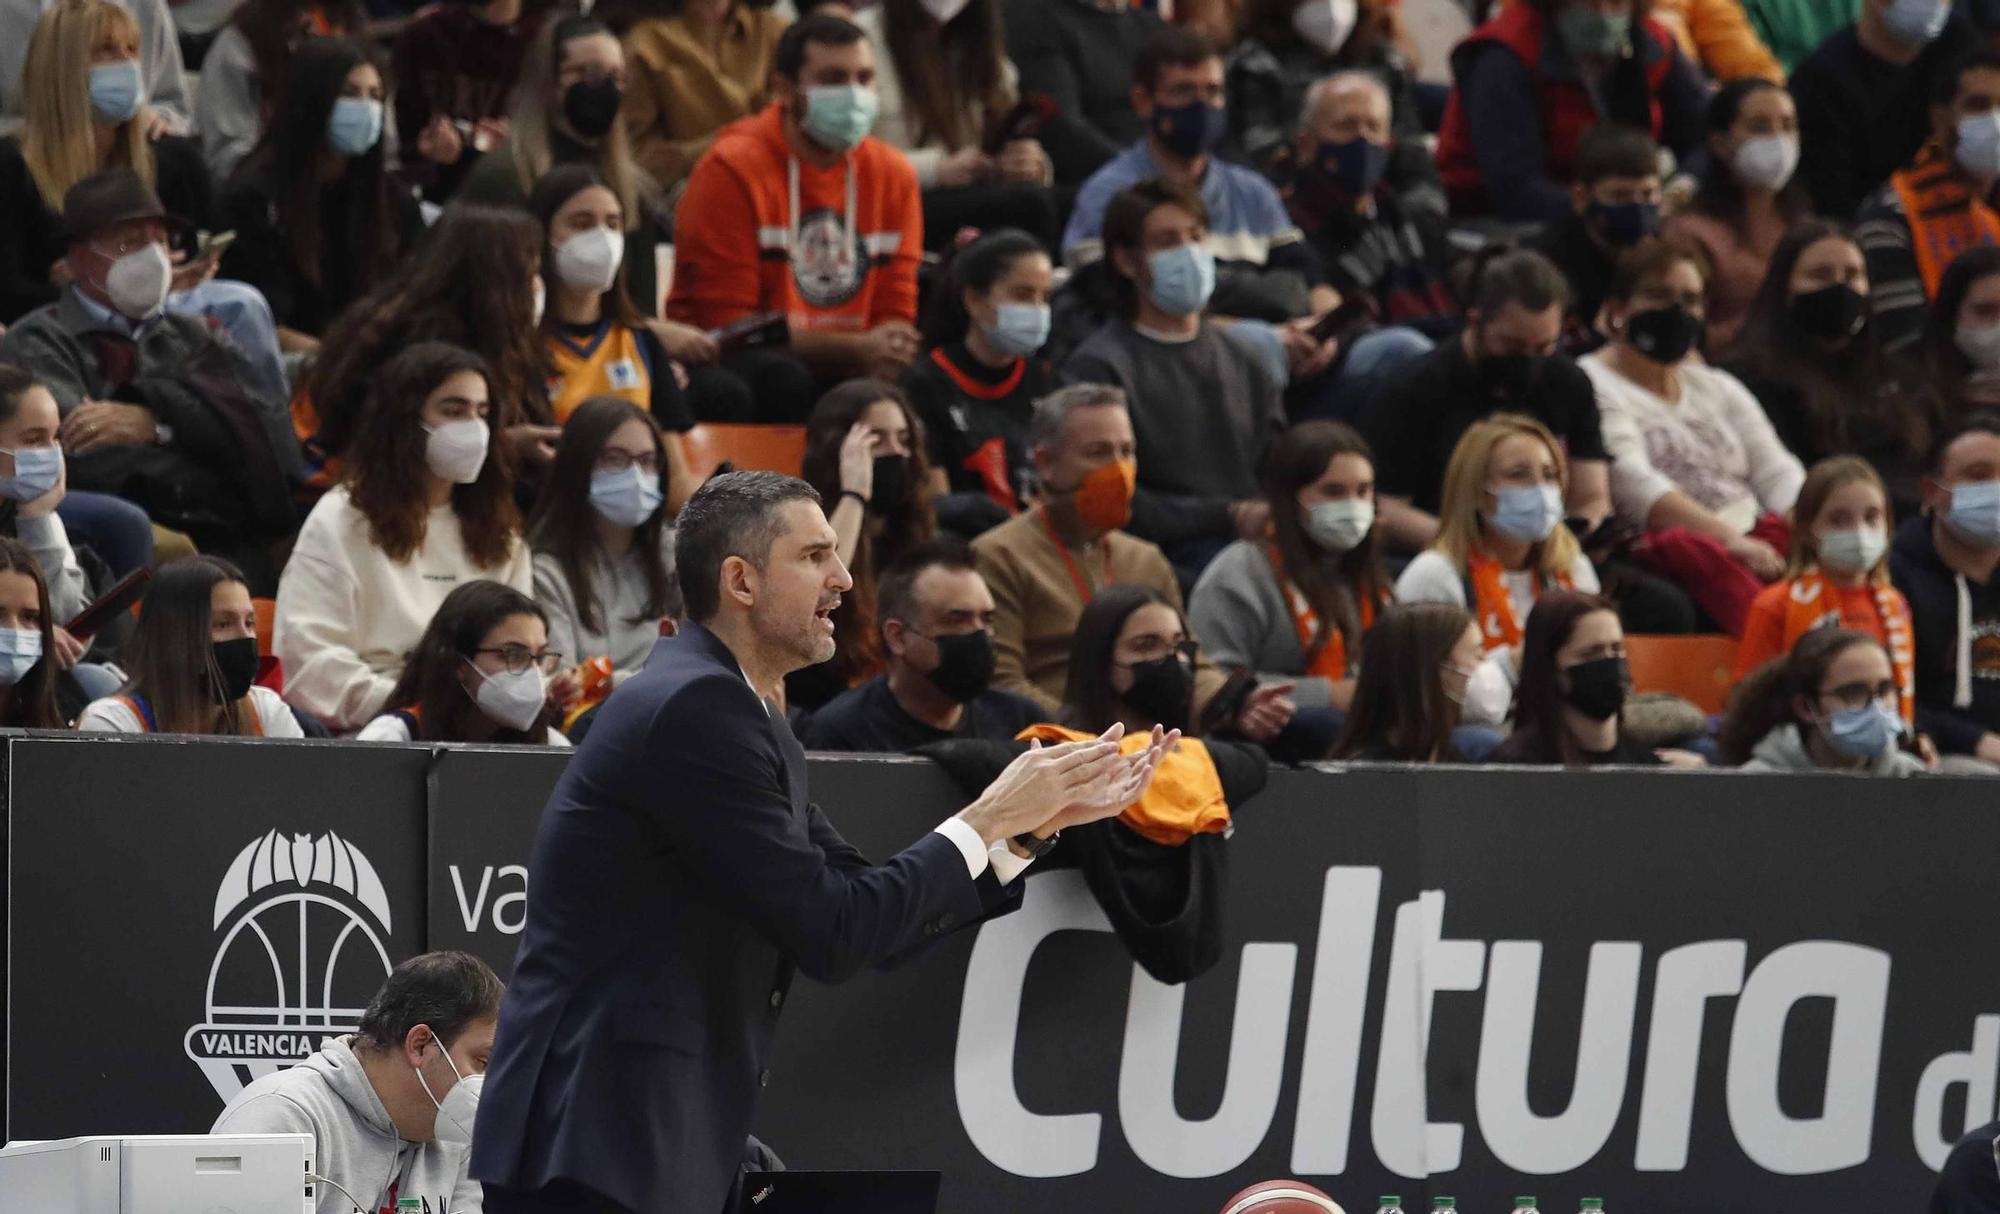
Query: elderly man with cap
{"type": "Point", "coordinates": [158, 407]}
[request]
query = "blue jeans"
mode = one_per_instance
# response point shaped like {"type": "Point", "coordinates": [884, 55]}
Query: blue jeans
{"type": "Point", "coordinates": [245, 315]}
{"type": "Point", "coordinates": [115, 529]}
{"type": "Point", "coordinates": [1349, 393]}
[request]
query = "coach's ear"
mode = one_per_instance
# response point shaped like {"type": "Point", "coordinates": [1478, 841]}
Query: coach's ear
{"type": "Point", "coordinates": [739, 581]}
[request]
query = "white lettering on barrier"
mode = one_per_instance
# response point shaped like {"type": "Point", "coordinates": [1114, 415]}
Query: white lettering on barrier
{"type": "Point", "coordinates": [1857, 980]}
{"type": "Point", "coordinates": [1164, 1140]}
{"type": "Point", "coordinates": [474, 911]}
{"type": "Point", "coordinates": [1975, 1068]}
{"type": "Point", "coordinates": [1685, 980]}
{"type": "Point", "coordinates": [1421, 963]}
{"type": "Point", "coordinates": [1517, 1136]}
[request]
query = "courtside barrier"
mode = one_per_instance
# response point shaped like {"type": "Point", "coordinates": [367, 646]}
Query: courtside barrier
{"type": "Point", "coordinates": [1676, 990]}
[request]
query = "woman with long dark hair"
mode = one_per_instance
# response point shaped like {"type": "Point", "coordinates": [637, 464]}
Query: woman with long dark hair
{"type": "Point", "coordinates": [35, 691]}
{"type": "Point", "coordinates": [1416, 663]}
{"type": "Point", "coordinates": [319, 219]}
{"type": "Point", "coordinates": [1961, 343]}
{"type": "Point", "coordinates": [1747, 200]}
{"type": "Point", "coordinates": [980, 376]}
{"type": "Point", "coordinates": [947, 87]}
{"type": "Point", "coordinates": [479, 673]}
{"type": "Point", "coordinates": [1292, 607]}
{"type": "Point", "coordinates": [1808, 352]}
{"type": "Point", "coordinates": [865, 456]}
{"type": "Point", "coordinates": [474, 282]}
{"type": "Point", "coordinates": [595, 341]}
{"type": "Point", "coordinates": [1830, 705]}
{"type": "Point", "coordinates": [604, 548]}
{"type": "Point", "coordinates": [192, 661]}
{"type": "Point", "coordinates": [1574, 680]}
{"type": "Point", "coordinates": [422, 507]}
{"type": "Point", "coordinates": [248, 65]}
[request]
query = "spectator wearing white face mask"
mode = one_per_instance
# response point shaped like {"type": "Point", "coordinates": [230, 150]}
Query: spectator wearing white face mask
{"type": "Point", "coordinates": [1501, 543]}
{"type": "Point", "coordinates": [596, 342]}
{"type": "Point", "coordinates": [1961, 350]}
{"type": "Point", "coordinates": [1292, 606]}
{"type": "Point", "coordinates": [603, 542]}
{"type": "Point", "coordinates": [420, 510]}
{"type": "Point", "coordinates": [480, 673]}
{"type": "Point", "coordinates": [390, 1107]}
{"type": "Point", "coordinates": [1749, 197]}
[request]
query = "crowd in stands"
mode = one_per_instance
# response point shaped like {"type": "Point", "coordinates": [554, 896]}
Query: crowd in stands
{"type": "Point", "coordinates": [1202, 364]}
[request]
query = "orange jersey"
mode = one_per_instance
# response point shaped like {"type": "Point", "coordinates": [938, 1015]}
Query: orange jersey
{"type": "Point", "coordinates": [758, 230]}
{"type": "Point", "coordinates": [612, 362]}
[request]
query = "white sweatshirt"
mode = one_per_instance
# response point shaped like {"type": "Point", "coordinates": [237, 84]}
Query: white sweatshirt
{"type": "Point", "coordinates": [347, 614]}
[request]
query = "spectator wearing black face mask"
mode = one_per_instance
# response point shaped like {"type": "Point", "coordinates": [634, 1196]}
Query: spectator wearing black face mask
{"type": "Point", "coordinates": [193, 661]}
{"type": "Point", "coordinates": [566, 110]}
{"type": "Point", "coordinates": [865, 457]}
{"type": "Point", "coordinates": [935, 619]}
{"type": "Point", "coordinates": [1574, 680]}
{"type": "Point", "coordinates": [1614, 204]}
{"type": "Point", "coordinates": [1503, 361]}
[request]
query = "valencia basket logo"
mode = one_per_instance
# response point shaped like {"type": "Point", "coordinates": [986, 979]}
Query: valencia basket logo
{"type": "Point", "coordinates": [301, 944]}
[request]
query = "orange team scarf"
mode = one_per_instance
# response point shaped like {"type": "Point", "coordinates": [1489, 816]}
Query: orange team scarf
{"type": "Point", "coordinates": [1185, 799]}
{"type": "Point", "coordinates": [1325, 659]}
{"type": "Point", "coordinates": [1491, 603]}
{"type": "Point", "coordinates": [1813, 604]}
{"type": "Point", "coordinates": [1946, 218]}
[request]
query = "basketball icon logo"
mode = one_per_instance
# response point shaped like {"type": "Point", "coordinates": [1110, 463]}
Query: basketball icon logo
{"type": "Point", "coordinates": [301, 944]}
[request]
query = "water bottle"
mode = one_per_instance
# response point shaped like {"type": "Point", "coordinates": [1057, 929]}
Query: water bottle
{"type": "Point", "coordinates": [1389, 1204]}
{"type": "Point", "coordinates": [1525, 1205]}
{"type": "Point", "coordinates": [1443, 1203]}
{"type": "Point", "coordinates": [1591, 1205]}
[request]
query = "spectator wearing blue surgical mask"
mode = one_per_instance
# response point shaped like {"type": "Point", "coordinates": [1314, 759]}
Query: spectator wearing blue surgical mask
{"type": "Point", "coordinates": [319, 217]}
{"type": "Point", "coordinates": [976, 384]}
{"type": "Point", "coordinates": [1828, 706]}
{"type": "Point", "coordinates": [1501, 545]}
{"type": "Point", "coordinates": [35, 691]}
{"type": "Point", "coordinates": [1205, 406]}
{"type": "Point", "coordinates": [1944, 561]}
{"type": "Point", "coordinates": [603, 538]}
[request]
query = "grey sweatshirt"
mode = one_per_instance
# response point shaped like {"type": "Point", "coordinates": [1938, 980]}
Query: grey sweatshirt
{"type": "Point", "coordinates": [1239, 612]}
{"type": "Point", "coordinates": [329, 1096]}
{"type": "Point", "coordinates": [620, 588]}
{"type": "Point", "coordinates": [1783, 750]}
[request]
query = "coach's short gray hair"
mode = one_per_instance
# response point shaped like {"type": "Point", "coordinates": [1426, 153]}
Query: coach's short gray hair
{"type": "Point", "coordinates": [1054, 409]}
{"type": "Point", "coordinates": [735, 514]}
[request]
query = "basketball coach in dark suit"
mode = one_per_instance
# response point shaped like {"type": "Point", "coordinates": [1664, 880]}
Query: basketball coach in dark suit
{"type": "Point", "coordinates": [680, 875]}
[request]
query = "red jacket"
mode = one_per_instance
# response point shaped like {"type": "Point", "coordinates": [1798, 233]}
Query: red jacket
{"type": "Point", "coordinates": [1565, 105]}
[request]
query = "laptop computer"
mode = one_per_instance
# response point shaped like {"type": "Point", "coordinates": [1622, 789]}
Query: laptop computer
{"type": "Point", "coordinates": [840, 1193]}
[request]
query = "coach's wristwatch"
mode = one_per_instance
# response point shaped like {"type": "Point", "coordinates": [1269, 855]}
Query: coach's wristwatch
{"type": "Point", "coordinates": [1034, 846]}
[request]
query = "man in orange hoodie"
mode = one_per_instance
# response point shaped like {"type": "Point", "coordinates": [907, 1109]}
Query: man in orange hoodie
{"type": "Point", "coordinates": [796, 210]}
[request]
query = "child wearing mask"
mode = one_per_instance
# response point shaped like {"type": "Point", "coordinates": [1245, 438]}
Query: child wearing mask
{"type": "Point", "coordinates": [421, 508]}
{"type": "Point", "coordinates": [1830, 706]}
{"type": "Point", "coordinates": [192, 661]}
{"type": "Point", "coordinates": [603, 543]}
{"type": "Point", "coordinates": [35, 691]}
{"type": "Point", "coordinates": [979, 378]}
{"type": "Point", "coordinates": [1837, 576]}
{"type": "Point", "coordinates": [480, 673]}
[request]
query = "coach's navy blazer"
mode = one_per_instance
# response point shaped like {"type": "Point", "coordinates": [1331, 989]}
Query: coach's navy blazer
{"type": "Point", "coordinates": [679, 875]}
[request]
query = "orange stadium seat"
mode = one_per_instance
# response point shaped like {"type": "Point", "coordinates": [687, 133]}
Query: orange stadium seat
{"type": "Point", "coordinates": [1696, 668]}
{"type": "Point", "coordinates": [749, 448]}
{"type": "Point", "coordinates": [267, 613]}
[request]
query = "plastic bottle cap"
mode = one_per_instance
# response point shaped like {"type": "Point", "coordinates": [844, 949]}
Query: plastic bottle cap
{"type": "Point", "coordinates": [1593, 1203]}
{"type": "Point", "coordinates": [1389, 1199]}
{"type": "Point", "coordinates": [1524, 1201]}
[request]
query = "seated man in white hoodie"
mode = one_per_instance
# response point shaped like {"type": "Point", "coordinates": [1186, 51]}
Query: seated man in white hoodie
{"type": "Point", "coordinates": [390, 1108]}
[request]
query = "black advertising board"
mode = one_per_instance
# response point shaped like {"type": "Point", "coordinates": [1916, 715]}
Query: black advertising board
{"type": "Point", "coordinates": [188, 916]}
{"type": "Point", "coordinates": [1677, 991]}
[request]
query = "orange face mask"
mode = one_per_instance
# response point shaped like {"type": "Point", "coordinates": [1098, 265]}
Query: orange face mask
{"type": "Point", "coordinates": [1104, 496]}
